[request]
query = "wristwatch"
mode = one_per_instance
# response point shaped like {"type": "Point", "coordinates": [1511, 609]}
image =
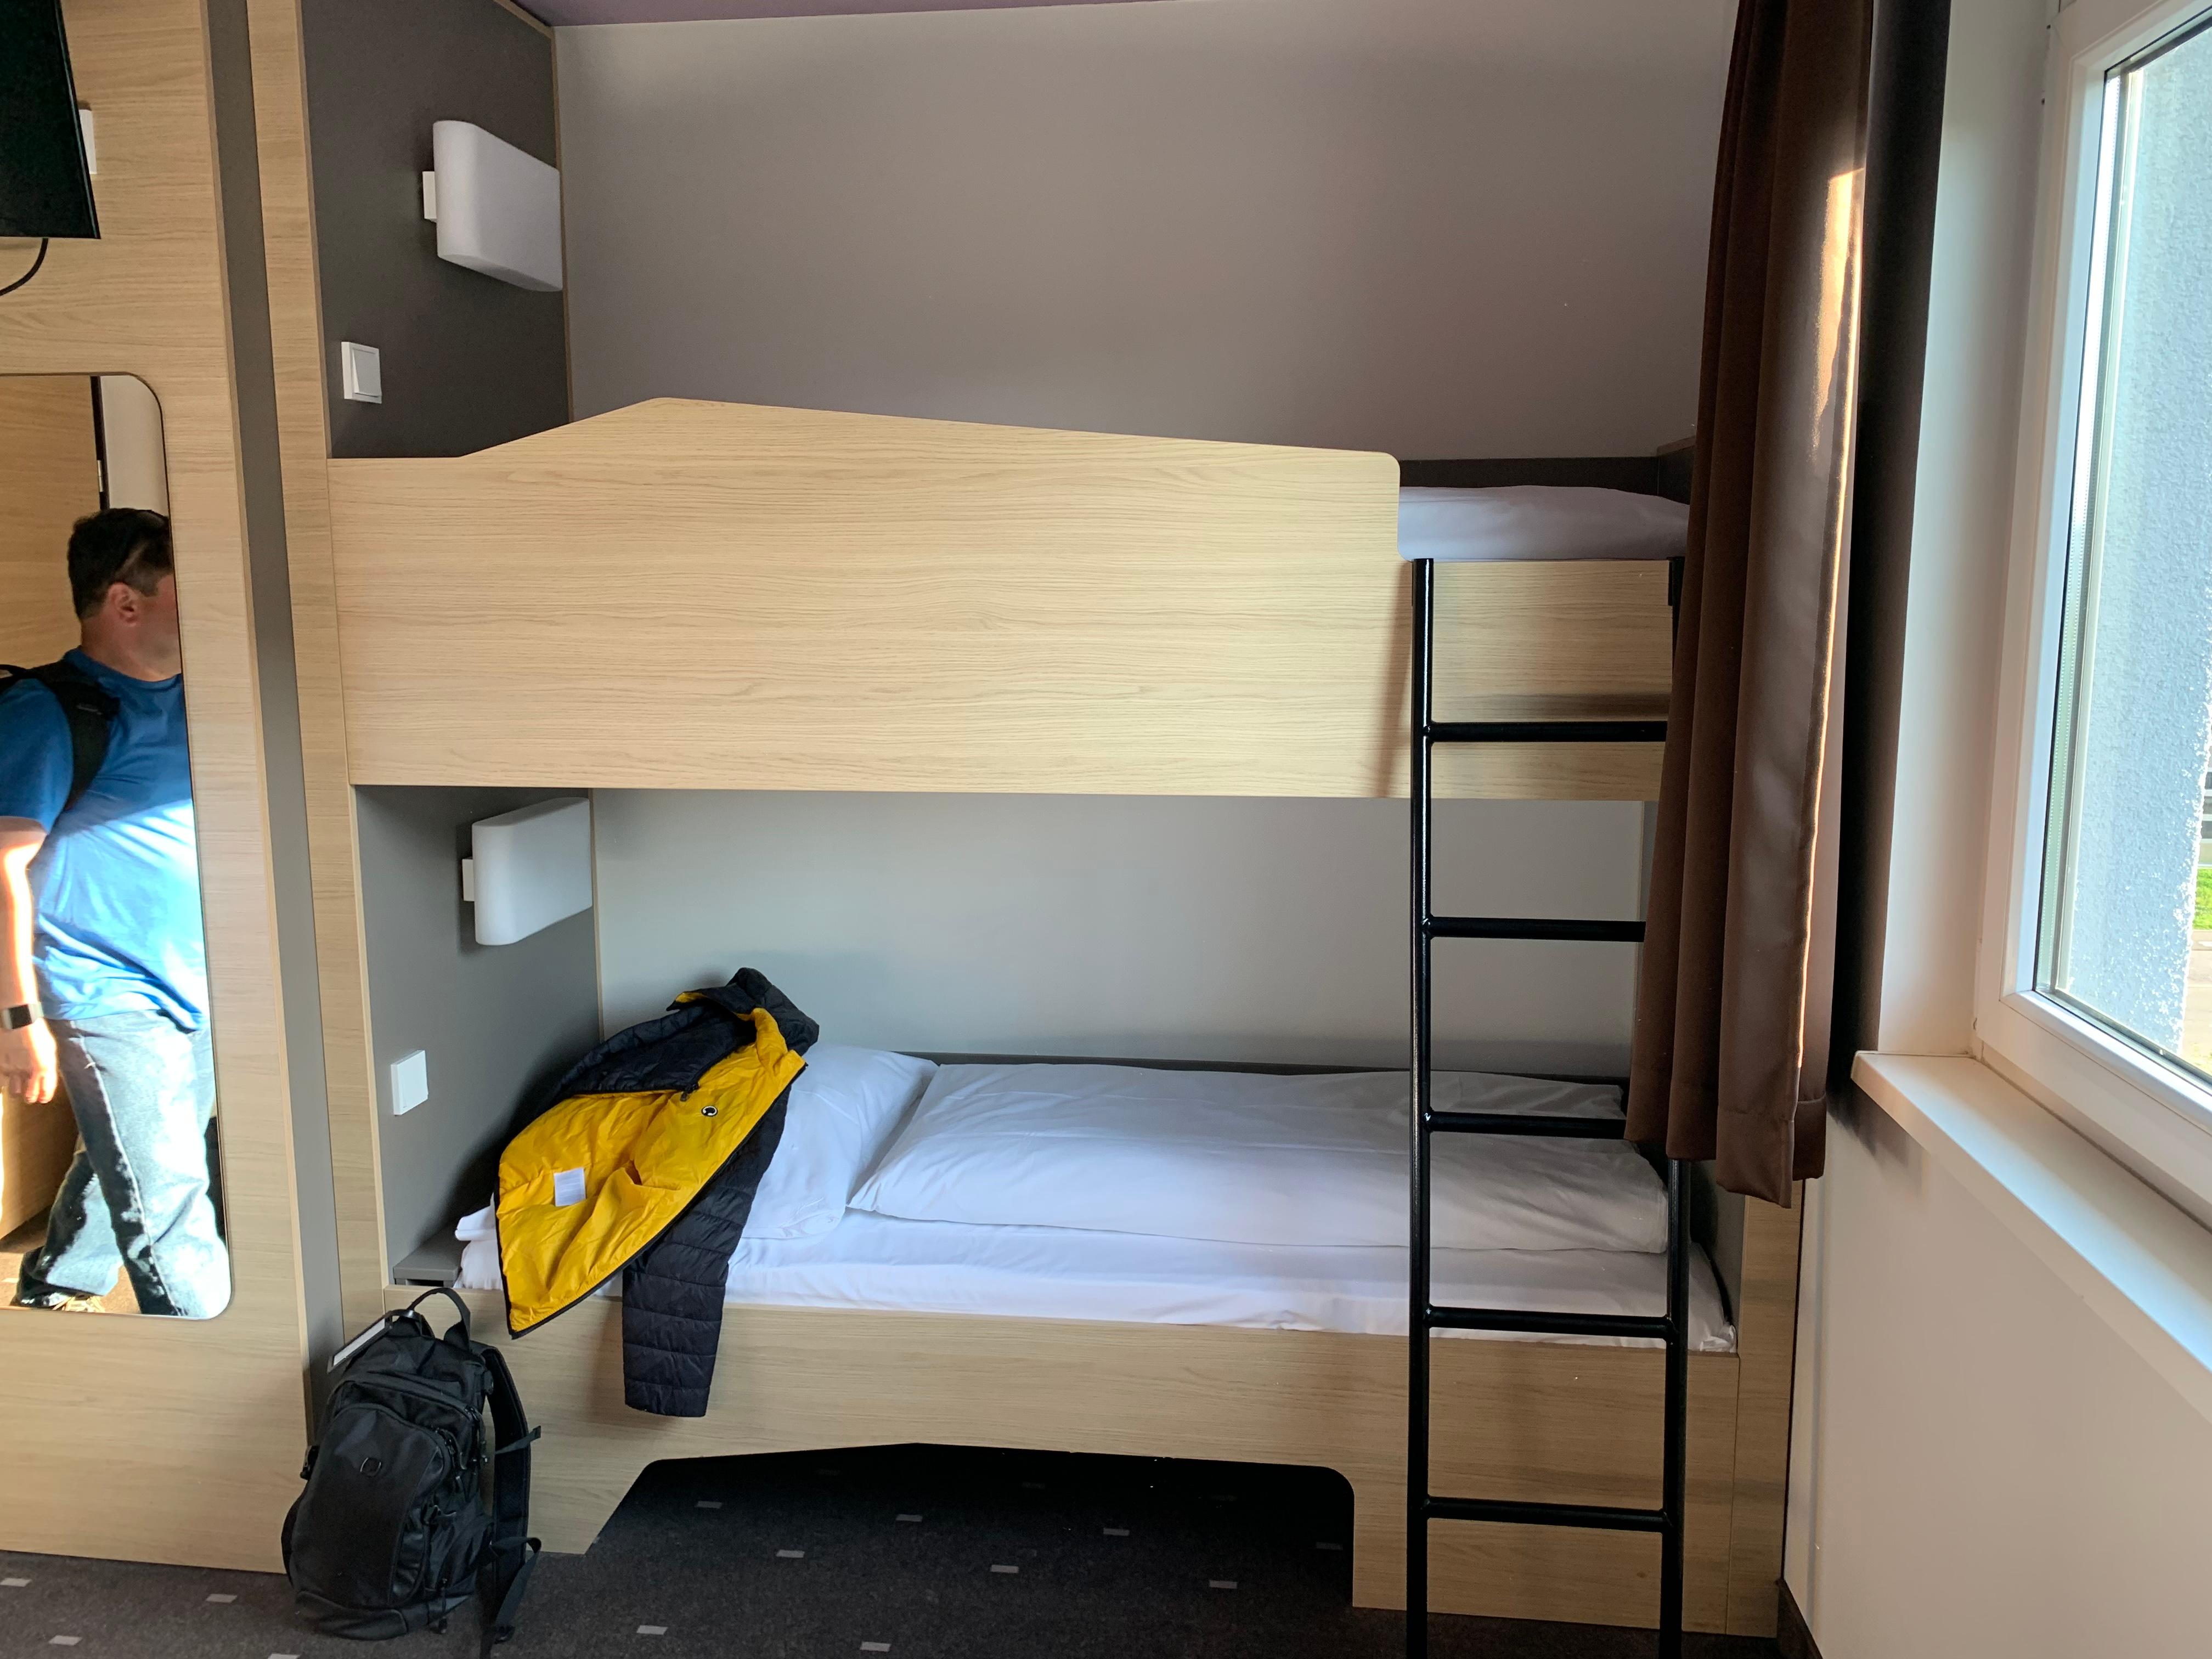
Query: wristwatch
{"type": "Point", "coordinates": [16, 1018]}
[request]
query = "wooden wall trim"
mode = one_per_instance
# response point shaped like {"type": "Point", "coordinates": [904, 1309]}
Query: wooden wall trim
{"type": "Point", "coordinates": [1766, 1347]}
{"type": "Point", "coordinates": [215, 1406]}
{"type": "Point", "coordinates": [303, 435]}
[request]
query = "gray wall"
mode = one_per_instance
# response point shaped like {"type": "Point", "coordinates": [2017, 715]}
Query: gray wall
{"type": "Point", "coordinates": [1439, 228]}
{"type": "Point", "coordinates": [1168, 927]}
{"type": "Point", "coordinates": [497, 1021]}
{"type": "Point", "coordinates": [468, 361]}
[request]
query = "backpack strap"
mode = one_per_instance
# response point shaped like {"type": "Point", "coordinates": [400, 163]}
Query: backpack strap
{"type": "Point", "coordinates": [510, 1554]}
{"type": "Point", "coordinates": [462, 1307]}
{"type": "Point", "coordinates": [88, 708]}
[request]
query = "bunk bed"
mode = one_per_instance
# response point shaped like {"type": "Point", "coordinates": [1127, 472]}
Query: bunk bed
{"type": "Point", "coordinates": [721, 595]}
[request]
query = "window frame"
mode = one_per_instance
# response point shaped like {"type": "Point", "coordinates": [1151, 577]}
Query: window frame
{"type": "Point", "coordinates": [2156, 1119]}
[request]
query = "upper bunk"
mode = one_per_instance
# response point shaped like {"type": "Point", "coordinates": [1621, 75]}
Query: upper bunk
{"type": "Point", "coordinates": [706, 595]}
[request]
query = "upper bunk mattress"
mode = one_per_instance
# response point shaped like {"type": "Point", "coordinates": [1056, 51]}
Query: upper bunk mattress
{"type": "Point", "coordinates": [1538, 521]}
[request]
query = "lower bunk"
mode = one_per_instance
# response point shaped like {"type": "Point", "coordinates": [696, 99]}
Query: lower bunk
{"type": "Point", "coordinates": [1551, 1421]}
{"type": "Point", "coordinates": [1252, 1314]}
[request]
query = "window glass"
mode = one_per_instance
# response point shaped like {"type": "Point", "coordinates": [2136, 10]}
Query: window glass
{"type": "Point", "coordinates": [2125, 930]}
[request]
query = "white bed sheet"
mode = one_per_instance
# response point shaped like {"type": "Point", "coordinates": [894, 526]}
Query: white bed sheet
{"type": "Point", "coordinates": [874, 1261]}
{"type": "Point", "coordinates": [1538, 521]}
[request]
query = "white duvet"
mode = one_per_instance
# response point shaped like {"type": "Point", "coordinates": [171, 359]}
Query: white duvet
{"type": "Point", "coordinates": [1249, 1158]}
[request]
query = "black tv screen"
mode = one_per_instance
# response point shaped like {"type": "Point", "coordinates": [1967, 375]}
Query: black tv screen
{"type": "Point", "coordinates": [45, 188]}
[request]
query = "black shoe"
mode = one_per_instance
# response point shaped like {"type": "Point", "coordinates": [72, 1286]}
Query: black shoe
{"type": "Point", "coordinates": [61, 1301]}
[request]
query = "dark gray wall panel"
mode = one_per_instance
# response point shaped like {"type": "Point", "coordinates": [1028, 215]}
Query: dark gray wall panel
{"type": "Point", "coordinates": [468, 361]}
{"type": "Point", "coordinates": [498, 1022]}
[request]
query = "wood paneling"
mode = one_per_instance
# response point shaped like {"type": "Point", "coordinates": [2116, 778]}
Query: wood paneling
{"type": "Point", "coordinates": [49, 479]}
{"type": "Point", "coordinates": [303, 439]}
{"type": "Point", "coordinates": [36, 1145]}
{"type": "Point", "coordinates": [1513, 1419]}
{"type": "Point", "coordinates": [213, 1408]}
{"type": "Point", "coordinates": [1766, 1342]}
{"type": "Point", "coordinates": [719, 595]}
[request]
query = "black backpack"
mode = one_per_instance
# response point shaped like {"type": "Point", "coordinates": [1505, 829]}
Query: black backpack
{"type": "Point", "coordinates": [394, 1531]}
{"type": "Point", "coordinates": [89, 707]}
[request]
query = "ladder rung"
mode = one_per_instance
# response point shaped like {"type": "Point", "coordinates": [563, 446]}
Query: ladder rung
{"type": "Point", "coordinates": [1619, 932]}
{"type": "Point", "coordinates": [1547, 1324]}
{"type": "Point", "coordinates": [1547, 731]}
{"type": "Point", "coordinates": [1556, 1125]}
{"type": "Point", "coordinates": [1597, 1515]}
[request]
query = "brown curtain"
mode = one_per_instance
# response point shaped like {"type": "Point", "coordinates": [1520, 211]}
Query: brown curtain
{"type": "Point", "coordinates": [1731, 1046]}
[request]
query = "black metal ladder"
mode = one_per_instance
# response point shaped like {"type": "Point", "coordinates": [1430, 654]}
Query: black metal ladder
{"type": "Point", "coordinates": [1423, 1506]}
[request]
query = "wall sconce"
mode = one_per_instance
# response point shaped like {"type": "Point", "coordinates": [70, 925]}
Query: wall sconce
{"type": "Point", "coordinates": [497, 209]}
{"type": "Point", "coordinates": [532, 867]}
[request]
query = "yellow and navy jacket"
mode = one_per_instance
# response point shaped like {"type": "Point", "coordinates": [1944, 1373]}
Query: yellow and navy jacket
{"type": "Point", "coordinates": [642, 1159]}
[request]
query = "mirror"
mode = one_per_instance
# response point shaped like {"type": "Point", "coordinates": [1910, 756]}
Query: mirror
{"type": "Point", "coordinates": [110, 1191]}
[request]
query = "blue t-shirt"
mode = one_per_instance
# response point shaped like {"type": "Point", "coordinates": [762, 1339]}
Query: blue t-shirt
{"type": "Point", "coordinates": [117, 883]}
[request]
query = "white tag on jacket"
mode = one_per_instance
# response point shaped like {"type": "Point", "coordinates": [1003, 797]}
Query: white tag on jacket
{"type": "Point", "coordinates": [567, 1186]}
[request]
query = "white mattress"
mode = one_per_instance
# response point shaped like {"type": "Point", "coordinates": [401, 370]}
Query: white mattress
{"type": "Point", "coordinates": [1538, 521]}
{"type": "Point", "coordinates": [1057, 1272]}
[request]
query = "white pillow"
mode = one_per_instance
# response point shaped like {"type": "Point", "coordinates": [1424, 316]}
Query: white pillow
{"type": "Point", "coordinates": [842, 1109]}
{"type": "Point", "coordinates": [1257, 1159]}
{"type": "Point", "coordinates": [1539, 521]}
{"type": "Point", "coordinates": [478, 1232]}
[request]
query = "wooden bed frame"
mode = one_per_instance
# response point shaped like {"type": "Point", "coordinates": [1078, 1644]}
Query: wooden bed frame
{"type": "Point", "coordinates": [1535, 1420]}
{"type": "Point", "coordinates": [725, 596]}
{"type": "Point", "coordinates": [717, 596]}
{"type": "Point", "coordinates": [703, 595]}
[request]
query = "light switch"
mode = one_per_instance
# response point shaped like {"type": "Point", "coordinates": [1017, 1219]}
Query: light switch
{"type": "Point", "coordinates": [410, 1082]}
{"type": "Point", "coordinates": [361, 370]}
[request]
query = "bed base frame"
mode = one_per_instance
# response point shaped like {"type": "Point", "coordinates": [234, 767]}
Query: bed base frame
{"type": "Point", "coordinates": [1535, 1422]}
{"type": "Point", "coordinates": [1524, 1422]}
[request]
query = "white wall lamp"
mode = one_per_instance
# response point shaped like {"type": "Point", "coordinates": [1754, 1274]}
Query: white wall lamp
{"type": "Point", "coordinates": [530, 868]}
{"type": "Point", "coordinates": [497, 209]}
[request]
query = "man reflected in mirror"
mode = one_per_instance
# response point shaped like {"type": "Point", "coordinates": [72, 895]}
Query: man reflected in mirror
{"type": "Point", "coordinates": [103, 971]}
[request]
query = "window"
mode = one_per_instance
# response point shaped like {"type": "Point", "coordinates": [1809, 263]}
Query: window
{"type": "Point", "coordinates": [2125, 933]}
{"type": "Point", "coordinates": [2095, 993]}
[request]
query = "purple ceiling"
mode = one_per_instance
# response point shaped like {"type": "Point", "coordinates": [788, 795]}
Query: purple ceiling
{"type": "Point", "coordinates": [560, 12]}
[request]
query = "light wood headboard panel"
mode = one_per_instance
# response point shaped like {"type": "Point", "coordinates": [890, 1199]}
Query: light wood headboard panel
{"type": "Point", "coordinates": [697, 594]}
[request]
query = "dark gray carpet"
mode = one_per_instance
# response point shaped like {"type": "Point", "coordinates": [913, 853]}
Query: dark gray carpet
{"type": "Point", "coordinates": [808, 1555]}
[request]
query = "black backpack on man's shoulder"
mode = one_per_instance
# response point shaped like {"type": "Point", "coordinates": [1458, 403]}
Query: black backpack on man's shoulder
{"type": "Point", "coordinates": [86, 705]}
{"type": "Point", "coordinates": [394, 1531]}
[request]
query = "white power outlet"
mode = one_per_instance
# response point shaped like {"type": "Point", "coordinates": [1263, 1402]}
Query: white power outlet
{"type": "Point", "coordinates": [410, 1082]}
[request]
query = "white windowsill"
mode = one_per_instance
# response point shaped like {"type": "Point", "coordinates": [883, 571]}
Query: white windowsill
{"type": "Point", "coordinates": [2141, 1263]}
